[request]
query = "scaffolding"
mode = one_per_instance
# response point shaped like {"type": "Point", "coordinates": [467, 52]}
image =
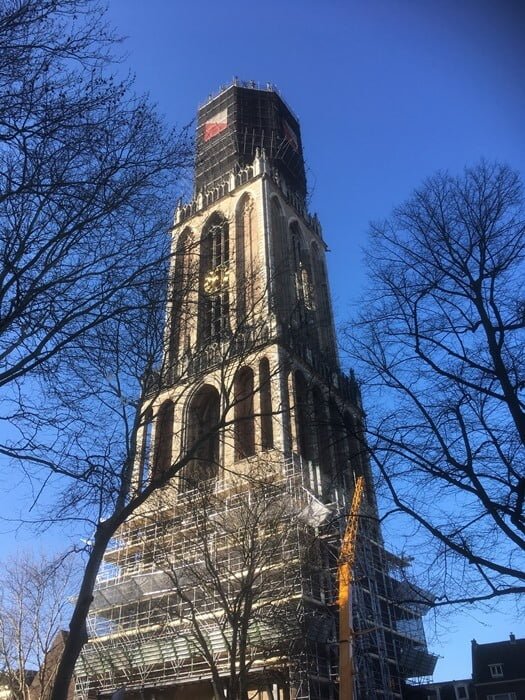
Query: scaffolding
{"type": "Point", "coordinates": [254, 120]}
{"type": "Point", "coordinates": [389, 639]}
{"type": "Point", "coordinates": [140, 626]}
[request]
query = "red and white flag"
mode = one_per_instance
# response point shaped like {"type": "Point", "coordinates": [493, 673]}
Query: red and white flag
{"type": "Point", "coordinates": [215, 125]}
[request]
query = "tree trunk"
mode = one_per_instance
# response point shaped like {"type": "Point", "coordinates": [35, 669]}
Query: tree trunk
{"type": "Point", "coordinates": [77, 636]}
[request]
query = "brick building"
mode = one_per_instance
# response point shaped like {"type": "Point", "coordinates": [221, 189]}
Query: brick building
{"type": "Point", "coordinates": [498, 669]}
{"type": "Point", "coordinates": [498, 673]}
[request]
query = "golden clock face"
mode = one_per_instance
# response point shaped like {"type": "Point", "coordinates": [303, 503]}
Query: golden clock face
{"type": "Point", "coordinates": [211, 282]}
{"type": "Point", "coordinates": [216, 280]}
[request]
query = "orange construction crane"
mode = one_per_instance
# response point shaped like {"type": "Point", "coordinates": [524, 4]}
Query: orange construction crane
{"type": "Point", "coordinates": [345, 569]}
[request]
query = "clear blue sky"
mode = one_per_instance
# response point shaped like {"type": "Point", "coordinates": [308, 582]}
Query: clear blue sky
{"type": "Point", "coordinates": [387, 92]}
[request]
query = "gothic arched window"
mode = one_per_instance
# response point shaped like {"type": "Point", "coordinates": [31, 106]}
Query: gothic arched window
{"type": "Point", "coordinates": [163, 439]}
{"type": "Point", "coordinates": [214, 307]}
{"type": "Point", "coordinates": [247, 261]}
{"type": "Point", "coordinates": [354, 443]}
{"type": "Point", "coordinates": [244, 416]}
{"type": "Point", "coordinates": [322, 431]}
{"type": "Point", "coordinates": [322, 303]}
{"type": "Point", "coordinates": [266, 404]}
{"type": "Point", "coordinates": [338, 439]}
{"type": "Point", "coordinates": [304, 293]}
{"type": "Point", "coordinates": [180, 295]}
{"type": "Point", "coordinates": [145, 454]}
{"type": "Point", "coordinates": [282, 272]}
{"type": "Point", "coordinates": [303, 417]}
{"type": "Point", "coordinates": [202, 437]}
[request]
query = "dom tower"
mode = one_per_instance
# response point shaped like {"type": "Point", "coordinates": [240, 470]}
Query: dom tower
{"type": "Point", "coordinates": [226, 585]}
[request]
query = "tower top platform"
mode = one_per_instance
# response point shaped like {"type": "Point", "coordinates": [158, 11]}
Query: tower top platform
{"type": "Point", "coordinates": [240, 119]}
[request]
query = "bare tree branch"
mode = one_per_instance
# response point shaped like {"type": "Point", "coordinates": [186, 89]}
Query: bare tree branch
{"type": "Point", "coordinates": [440, 344]}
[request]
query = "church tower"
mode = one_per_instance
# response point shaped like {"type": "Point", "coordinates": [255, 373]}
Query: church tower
{"type": "Point", "coordinates": [254, 405]}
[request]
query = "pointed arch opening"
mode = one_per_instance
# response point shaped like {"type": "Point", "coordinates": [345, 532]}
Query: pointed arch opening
{"type": "Point", "coordinates": [145, 453]}
{"type": "Point", "coordinates": [322, 302]}
{"type": "Point", "coordinates": [282, 271]}
{"type": "Point", "coordinates": [244, 414]}
{"type": "Point", "coordinates": [338, 438]}
{"type": "Point", "coordinates": [203, 437]}
{"type": "Point", "coordinates": [304, 300]}
{"type": "Point", "coordinates": [163, 439]}
{"type": "Point", "coordinates": [214, 274]}
{"type": "Point", "coordinates": [247, 261]}
{"type": "Point", "coordinates": [354, 442]}
{"type": "Point", "coordinates": [303, 417]}
{"type": "Point", "coordinates": [179, 340]}
{"type": "Point", "coordinates": [321, 431]}
{"type": "Point", "coordinates": [265, 383]}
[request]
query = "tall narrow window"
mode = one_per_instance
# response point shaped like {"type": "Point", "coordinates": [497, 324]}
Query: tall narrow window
{"type": "Point", "coordinates": [322, 303]}
{"type": "Point", "coordinates": [265, 383]}
{"type": "Point", "coordinates": [203, 437]}
{"type": "Point", "coordinates": [303, 417]}
{"type": "Point", "coordinates": [304, 299]}
{"type": "Point", "coordinates": [283, 275]}
{"type": "Point", "coordinates": [180, 295]}
{"type": "Point", "coordinates": [247, 261]}
{"type": "Point", "coordinates": [338, 440]}
{"type": "Point", "coordinates": [354, 442]}
{"type": "Point", "coordinates": [145, 456]}
{"type": "Point", "coordinates": [214, 308]}
{"type": "Point", "coordinates": [244, 418]}
{"type": "Point", "coordinates": [322, 432]}
{"type": "Point", "coordinates": [163, 439]}
{"type": "Point", "coordinates": [298, 306]}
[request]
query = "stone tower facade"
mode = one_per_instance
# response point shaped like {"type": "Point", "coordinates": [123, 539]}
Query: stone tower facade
{"type": "Point", "coordinates": [253, 403]}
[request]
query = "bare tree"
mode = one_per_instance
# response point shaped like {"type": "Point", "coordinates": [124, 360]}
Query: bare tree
{"type": "Point", "coordinates": [228, 586]}
{"type": "Point", "coordinates": [237, 591]}
{"type": "Point", "coordinates": [440, 340]}
{"type": "Point", "coordinates": [101, 397]}
{"type": "Point", "coordinates": [87, 171]}
{"type": "Point", "coordinates": [33, 610]}
{"type": "Point", "coordinates": [87, 179]}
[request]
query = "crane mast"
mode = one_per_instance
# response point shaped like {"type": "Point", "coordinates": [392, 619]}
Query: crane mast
{"type": "Point", "coordinates": [345, 570]}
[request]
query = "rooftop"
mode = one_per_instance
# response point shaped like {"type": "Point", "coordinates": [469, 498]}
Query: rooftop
{"type": "Point", "coordinates": [250, 85]}
{"type": "Point", "coordinates": [510, 654]}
